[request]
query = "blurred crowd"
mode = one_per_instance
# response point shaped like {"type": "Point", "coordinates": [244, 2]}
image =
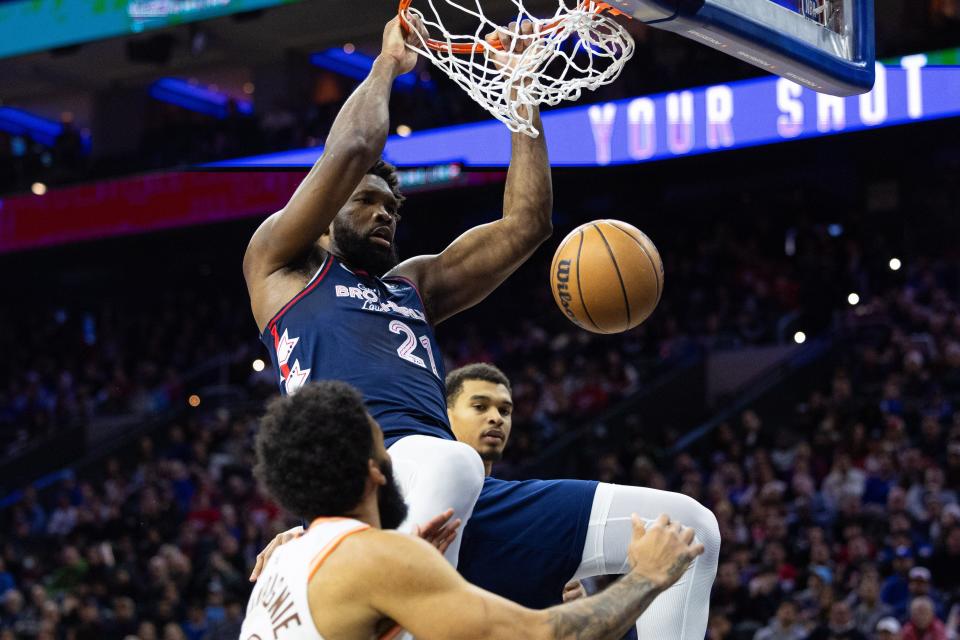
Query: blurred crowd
{"type": "Point", "coordinates": [68, 365]}
{"type": "Point", "coordinates": [157, 539]}
{"type": "Point", "coordinates": [839, 516]}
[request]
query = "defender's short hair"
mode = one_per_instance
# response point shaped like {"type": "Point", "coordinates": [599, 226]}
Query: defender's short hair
{"type": "Point", "coordinates": [313, 449]}
{"type": "Point", "coordinates": [476, 371]}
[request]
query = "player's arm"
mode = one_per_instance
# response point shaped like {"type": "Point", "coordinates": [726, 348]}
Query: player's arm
{"type": "Point", "coordinates": [354, 145]}
{"type": "Point", "coordinates": [478, 261]}
{"type": "Point", "coordinates": [427, 597]}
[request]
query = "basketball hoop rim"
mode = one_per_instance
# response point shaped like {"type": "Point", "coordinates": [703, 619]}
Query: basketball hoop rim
{"type": "Point", "coordinates": [470, 49]}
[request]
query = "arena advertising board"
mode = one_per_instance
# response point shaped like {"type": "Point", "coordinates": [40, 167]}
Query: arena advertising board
{"type": "Point", "coordinates": [34, 25]}
{"type": "Point", "coordinates": [682, 123]}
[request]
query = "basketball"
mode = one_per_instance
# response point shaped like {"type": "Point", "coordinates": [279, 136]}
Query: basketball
{"type": "Point", "coordinates": [606, 276]}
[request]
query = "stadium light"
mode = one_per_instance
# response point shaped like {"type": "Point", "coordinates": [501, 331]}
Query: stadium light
{"type": "Point", "coordinates": [194, 400]}
{"type": "Point", "coordinates": [895, 264]}
{"type": "Point", "coordinates": [853, 299]}
{"type": "Point", "coordinates": [258, 365]}
{"type": "Point", "coordinates": [404, 131]}
{"type": "Point", "coordinates": [38, 188]}
{"type": "Point", "coordinates": [799, 337]}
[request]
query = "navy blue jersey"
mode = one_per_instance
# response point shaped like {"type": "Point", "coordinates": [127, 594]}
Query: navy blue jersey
{"type": "Point", "coordinates": [525, 538]}
{"type": "Point", "coordinates": [372, 333]}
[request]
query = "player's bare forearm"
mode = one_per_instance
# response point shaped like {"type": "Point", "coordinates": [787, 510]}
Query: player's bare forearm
{"type": "Point", "coordinates": [609, 614]}
{"type": "Point", "coordinates": [411, 584]}
{"type": "Point", "coordinates": [528, 195]}
{"type": "Point", "coordinates": [363, 123]}
{"type": "Point", "coordinates": [480, 260]}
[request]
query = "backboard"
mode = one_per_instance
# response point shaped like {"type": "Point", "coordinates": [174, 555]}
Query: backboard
{"type": "Point", "coordinates": [826, 45]}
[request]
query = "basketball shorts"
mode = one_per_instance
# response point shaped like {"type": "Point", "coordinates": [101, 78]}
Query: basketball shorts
{"type": "Point", "coordinates": [525, 539]}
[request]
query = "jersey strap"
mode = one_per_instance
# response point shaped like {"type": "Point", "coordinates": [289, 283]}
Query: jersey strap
{"type": "Point", "coordinates": [330, 547]}
{"type": "Point", "coordinates": [310, 286]}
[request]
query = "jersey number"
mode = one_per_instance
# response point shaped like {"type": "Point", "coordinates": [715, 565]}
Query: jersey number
{"type": "Point", "coordinates": [409, 345]}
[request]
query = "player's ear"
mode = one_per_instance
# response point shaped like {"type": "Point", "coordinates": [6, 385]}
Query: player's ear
{"type": "Point", "coordinates": [375, 474]}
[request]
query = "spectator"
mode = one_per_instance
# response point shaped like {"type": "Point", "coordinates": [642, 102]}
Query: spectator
{"type": "Point", "coordinates": [229, 627]}
{"type": "Point", "coordinates": [840, 625]}
{"type": "Point", "coordinates": [896, 591]}
{"type": "Point", "coordinates": [124, 622]}
{"type": "Point", "coordinates": [844, 479]}
{"type": "Point", "coordinates": [946, 563]}
{"type": "Point", "coordinates": [887, 629]}
{"type": "Point", "coordinates": [785, 626]}
{"type": "Point", "coordinates": [11, 617]}
{"type": "Point", "coordinates": [919, 585]}
{"type": "Point", "coordinates": [6, 578]}
{"type": "Point", "coordinates": [869, 609]}
{"type": "Point", "coordinates": [924, 623]}
{"type": "Point", "coordinates": [729, 596]}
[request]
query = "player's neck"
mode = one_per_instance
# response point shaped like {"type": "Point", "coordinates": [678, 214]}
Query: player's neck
{"type": "Point", "coordinates": [367, 512]}
{"type": "Point", "coordinates": [487, 467]}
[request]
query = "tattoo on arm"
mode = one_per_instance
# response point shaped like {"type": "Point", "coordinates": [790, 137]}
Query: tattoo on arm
{"type": "Point", "coordinates": [609, 614]}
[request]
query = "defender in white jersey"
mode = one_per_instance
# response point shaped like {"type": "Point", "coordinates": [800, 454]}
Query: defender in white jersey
{"type": "Point", "coordinates": [322, 457]}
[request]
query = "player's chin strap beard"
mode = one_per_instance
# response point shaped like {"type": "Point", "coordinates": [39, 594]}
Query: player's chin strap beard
{"type": "Point", "coordinates": [359, 252]}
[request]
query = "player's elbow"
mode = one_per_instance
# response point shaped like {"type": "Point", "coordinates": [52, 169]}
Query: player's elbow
{"type": "Point", "coordinates": [545, 228]}
{"type": "Point", "coordinates": [535, 230]}
{"type": "Point", "coordinates": [356, 147]}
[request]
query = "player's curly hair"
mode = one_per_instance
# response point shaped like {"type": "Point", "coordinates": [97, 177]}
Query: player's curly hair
{"type": "Point", "coordinates": [313, 448]}
{"type": "Point", "coordinates": [388, 172]}
{"type": "Point", "coordinates": [476, 371]}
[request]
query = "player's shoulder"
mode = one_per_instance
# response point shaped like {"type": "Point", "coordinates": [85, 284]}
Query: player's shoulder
{"type": "Point", "coordinates": [387, 542]}
{"type": "Point", "coordinates": [384, 553]}
{"type": "Point", "coordinates": [411, 269]}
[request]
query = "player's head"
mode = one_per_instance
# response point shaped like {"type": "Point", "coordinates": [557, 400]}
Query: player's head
{"type": "Point", "coordinates": [480, 408]}
{"type": "Point", "coordinates": [362, 233]}
{"type": "Point", "coordinates": [319, 453]}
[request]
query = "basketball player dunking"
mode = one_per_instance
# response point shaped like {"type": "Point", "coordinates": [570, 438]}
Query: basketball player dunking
{"type": "Point", "coordinates": [332, 303]}
{"type": "Point", "coordinates": [322, 457]}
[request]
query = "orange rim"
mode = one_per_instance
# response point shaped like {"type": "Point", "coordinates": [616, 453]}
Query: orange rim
{"type": "Point", "coordinates": [470, 49]}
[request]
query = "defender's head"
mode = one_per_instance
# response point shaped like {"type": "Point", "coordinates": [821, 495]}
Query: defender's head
{"type": "Point", "coordinates": [319, 453]}
{"type": "Point", "coordinates": [480, 408]}
{"type": "Point", "coordinates": [362, 233]}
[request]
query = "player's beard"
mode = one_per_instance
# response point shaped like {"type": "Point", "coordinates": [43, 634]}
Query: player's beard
{"type": "Point", "coordinates": [360, 253]}
{"type": "Point", "coordinates": [491, 455]}
{"type": "Point", "coordinates": [393, 510]}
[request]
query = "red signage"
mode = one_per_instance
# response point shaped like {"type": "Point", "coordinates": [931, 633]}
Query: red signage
{"type": "Point", "coordinates": [140, 204]}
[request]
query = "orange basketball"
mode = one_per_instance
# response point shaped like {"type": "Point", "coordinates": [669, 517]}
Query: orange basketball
{"type": "Point", "coordinates": [606, 276]}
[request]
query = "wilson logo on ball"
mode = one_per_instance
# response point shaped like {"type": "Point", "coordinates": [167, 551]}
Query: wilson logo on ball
{"type": "Point", "coordinates": [563, 290]}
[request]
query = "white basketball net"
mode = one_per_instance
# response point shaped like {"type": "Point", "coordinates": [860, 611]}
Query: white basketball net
{"type": "Point", "coordinates": [577, 48]}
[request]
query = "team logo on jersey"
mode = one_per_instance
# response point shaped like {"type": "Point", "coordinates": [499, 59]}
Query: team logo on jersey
{"type": "Point", "coordinates": [293, 377]}
{"type": "Point", "coordinates": [285, 347]}
{"type": "Point", "coordinates": [296, 378]}
{"type": "Point", "coordinates": [371, 301]}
